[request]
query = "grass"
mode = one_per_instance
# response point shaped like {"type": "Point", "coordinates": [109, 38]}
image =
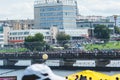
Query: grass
{"type": "Point", "coordinates": [109, 45]}
{"type": "Point", "coordinates": [11, 50]}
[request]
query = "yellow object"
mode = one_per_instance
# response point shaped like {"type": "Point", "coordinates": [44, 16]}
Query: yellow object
{"type": "Point", "coordinates": [114, 77]}
{"type": "Point", "coordinates": [93, 75]}
{"type": "Point", "coordinates": [45, 56]}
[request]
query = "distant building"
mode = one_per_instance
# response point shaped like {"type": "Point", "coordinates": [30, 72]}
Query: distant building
{"type": "Point", "coordinates": [18, 36]}
{"type": "Point", "coordinates": [91, 25]}
{"type": "Point", "coordinates": [4, 30]}
{"type": "Point", "coordinates": [19, 24]}
{"type": "Point", "coordinates": [88, 25]}
{"type": "Point", "coordinates": [115, 20]}
{"type": "Point", "coordinates": [60, 13]}
{"type": "Point", "coordinates": [77, 34]}
{"type": "Point", "coordinates": [81, 18]}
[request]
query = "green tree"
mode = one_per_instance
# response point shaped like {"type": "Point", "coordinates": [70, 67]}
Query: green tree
{"type": "Point", "coordinates": [39, 37]}
{"type": "Point", "coordinates": [102, 32]}
{"type": "Point", "coordinates": [62, 38]}
{"type": "Point", "coordinates": [117, 30]}
{"type": "Point", "coordinates": [29, 39]}
{"type": "Point", "coordinates": [35, 42]}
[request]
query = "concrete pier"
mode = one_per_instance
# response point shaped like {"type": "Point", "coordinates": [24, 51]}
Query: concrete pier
{"type": "Point", "coordinates": [9, 62]}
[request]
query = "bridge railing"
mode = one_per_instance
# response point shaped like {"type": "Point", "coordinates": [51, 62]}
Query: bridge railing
{"type": "Point", "coordinates": [62, 55]}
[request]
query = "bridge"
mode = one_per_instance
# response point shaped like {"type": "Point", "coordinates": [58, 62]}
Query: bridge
{"type": "Point", "coordinates": [64, 58]}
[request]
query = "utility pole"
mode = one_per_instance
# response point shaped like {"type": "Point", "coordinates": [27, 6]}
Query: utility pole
{"type": "Point", "coordinates": [91, 29]}
{"type": "Point", "coordinates": [115, 19]}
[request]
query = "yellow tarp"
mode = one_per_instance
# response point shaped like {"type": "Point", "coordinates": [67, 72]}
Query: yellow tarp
{"type": "Point", "coordinates": [93, 75]}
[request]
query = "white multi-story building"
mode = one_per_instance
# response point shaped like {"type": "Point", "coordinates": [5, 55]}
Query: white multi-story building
{"type": "Point", "coordinates": [60, 13]}
{"type": "Point", "coordinates": [18, 36]}
{"type": "Point", "coordinates": [4, 30]}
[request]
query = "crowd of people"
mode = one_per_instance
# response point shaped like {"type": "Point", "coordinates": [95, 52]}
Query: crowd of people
{"type": "Point", "coordinates": [110, 54]}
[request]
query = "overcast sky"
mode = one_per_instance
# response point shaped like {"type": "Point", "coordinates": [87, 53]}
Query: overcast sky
{"type": "Point", "coordinates": [23, 9]}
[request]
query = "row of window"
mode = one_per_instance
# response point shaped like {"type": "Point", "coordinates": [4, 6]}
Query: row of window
{"type": "Point", "coordinates": [57, 8]}
{"type": "Point", "coordinates": [58, 24]}
{"type": "Point", "coordinates": [51, 23]}
{"type": "Point", "coordinates": [53, 8]}
{"type": "Point", "coordinates": [94, 25]}
{"type": "Point", "coordinates": [22, 38]}
{"type": "Point", "coordinates": [19, 33]}
{"type": "Point", "coordinates": [51, 18]}
{"type": "Point", "coordinates": [16, 38]}
{"type": "Point", "coordinates": [52, 14]}
{"type": "Point", "coordinates": [56, 18]}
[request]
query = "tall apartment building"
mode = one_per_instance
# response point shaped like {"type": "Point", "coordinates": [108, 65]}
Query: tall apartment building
{"type": "Point", "coordinates": [60, 13]}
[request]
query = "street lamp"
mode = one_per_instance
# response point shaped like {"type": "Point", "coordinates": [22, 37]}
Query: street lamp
{"type": "Point", "coordinates": [115, 19]}
{"type": "Point", "coordinates": [92, 29]}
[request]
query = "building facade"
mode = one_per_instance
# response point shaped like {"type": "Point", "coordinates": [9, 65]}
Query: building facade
{"type": "Point", "coordinates": [1, 34]}
{"type": "Point", "coordinates": [18, 36]}
{"type": "Point", "coordinates": [19, 24]}
{"type": "Point", "coordinates": [83, 25]}
{"type": "Point", "coordinates": [88, 25]}
{"type": "Point", "coordinates": [93, 18]}
{"type": "Point", "coordinates": [77, 34]}
{"type": "Point", "coordinates": [4, 30]}
{"type": "Point", "coordinates": [115, 19]}
{"type": "Point", "coordinates": [60, 13]}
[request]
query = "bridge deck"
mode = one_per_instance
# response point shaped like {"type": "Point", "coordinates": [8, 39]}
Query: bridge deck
{"type": "Point", "coordinates": [62, 55]}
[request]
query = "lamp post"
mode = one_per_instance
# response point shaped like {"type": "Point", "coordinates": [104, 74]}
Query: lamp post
{"type": "Point", "coordinates": [115, 19]}
{"type": "Point", "coordinates": [91, 27]}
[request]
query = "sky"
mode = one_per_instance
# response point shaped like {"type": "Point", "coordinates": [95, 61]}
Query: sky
{"type": "Point", "coordinates": [24, 9]}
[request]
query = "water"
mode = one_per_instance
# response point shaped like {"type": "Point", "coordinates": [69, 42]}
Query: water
{"type": "Point", "coordinates": [19, 73]}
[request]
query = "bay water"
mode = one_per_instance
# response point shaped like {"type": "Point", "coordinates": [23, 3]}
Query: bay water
{"type": "Point", "coordinates": [19, 72]}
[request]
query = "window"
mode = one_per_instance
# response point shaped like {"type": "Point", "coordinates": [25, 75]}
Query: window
{"type": "Point", "coordinates": [110, 25]}
{"type": "Point", "coordinates": [14, 33]}
{"type": "Point", "coordinates": [47, 32]}
{"type": "Point", "coordinates": [1, 36]}
{"type": "Point", "coordinates": [1, 40]}
{"type": "Point", "coordinates": [26, 33]}
{"type": "Point", "coordinates": [20, 33]}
